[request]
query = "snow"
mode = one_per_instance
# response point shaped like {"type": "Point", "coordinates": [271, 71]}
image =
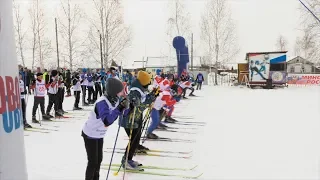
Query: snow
{"type": "Point", "coordinates": [250, 134]}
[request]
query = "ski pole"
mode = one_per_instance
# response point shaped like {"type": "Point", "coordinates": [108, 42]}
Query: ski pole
{"type": "Point", "coordinates": [114, 146]}
{"type": "Point", "coordinates": [128, 149]}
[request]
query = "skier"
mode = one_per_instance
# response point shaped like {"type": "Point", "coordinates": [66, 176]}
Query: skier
{"type": "Point", "coordinates": [23, 102]}
{"type": "Point", "coordinates": [76, 82]}
{"type": "Point", "coordinates": [39, 87]}
{"type": "Point", "coordinates": [164, 98]}
{"type": "Point", "coordinates": [140, 100]}
{"type": "Point", "coordinates": [84, 85]}
{"type": "Point", "coordinates": [106, 111]}
{"type": "Point", "coordinates": [90, 88]}
{"type": "Point", "coordinates": [52, 93]}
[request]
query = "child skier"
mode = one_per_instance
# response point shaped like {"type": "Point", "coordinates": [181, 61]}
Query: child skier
{"type": "Point", "coordinates": [106, 110]}
{"type": "Point", "coordinates": [40, 88]}
{"type": "Point", "coordinates": [164, 98]}
{"type": "Point", "coordinates": [140, 100]}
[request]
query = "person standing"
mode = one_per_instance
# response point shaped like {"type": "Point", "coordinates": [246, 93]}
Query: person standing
{"type": "Point", "coordinates": [84, 85]}
{"type": "Point", "coordinates": [23, 92]}
{"type": "Point", "coordinates": [106, 111]}
{"type": "Point", "coordinates": [76, 91]}
{"type": "Point", "coordinates": [199, 80]}
{"type": "Point", "coordinates": [40, 88]}
{"type": "Point", "coordinates": [52, 93]}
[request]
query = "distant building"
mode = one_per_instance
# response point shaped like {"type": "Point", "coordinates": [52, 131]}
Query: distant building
{"type": "Point", "coordinates": [300, 65]}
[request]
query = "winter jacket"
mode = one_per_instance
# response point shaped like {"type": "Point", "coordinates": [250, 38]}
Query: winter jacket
{"type": "Point", "coordinates": [137, 92]}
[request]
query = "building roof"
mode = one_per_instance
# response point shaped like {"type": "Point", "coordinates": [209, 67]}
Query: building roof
{"type": "Point", "coordinates": [299, 59]}
{"type": "Point", "coordinates": [270, 52]}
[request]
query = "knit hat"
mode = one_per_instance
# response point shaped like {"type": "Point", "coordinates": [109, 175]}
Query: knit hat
{"type": "Point", "coordinates": [54, 73]}
{"type": "Point", "coordinates": [39, 74]}
{"type": "Point", "coordinates": [144, 78]}
{"type": "Point", "coordinates": [113, 86]}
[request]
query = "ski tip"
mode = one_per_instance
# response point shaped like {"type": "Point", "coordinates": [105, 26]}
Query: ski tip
{"type": "Point", "coordinates": [193, 177]}
{"type": "Point", "coordinates": [194, 167]}
{"type": "Point", "coordinates": [115, 174]}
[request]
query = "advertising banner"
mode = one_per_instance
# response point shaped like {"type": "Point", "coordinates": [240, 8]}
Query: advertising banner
{"type": "Point", "coordinates": [304, 79]}
{"type": "Point", "coordinates": [259, 65]}
{"type": "Point", "coordinates": [12, 154]}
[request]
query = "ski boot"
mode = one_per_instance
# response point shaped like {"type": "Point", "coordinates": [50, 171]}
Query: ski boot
{"type": "Point", "coordinates": [142, 147]}
{"type": "Point", "coordinates": [130, 165]}
{"type": "Point", "coordinates": [77, 108]}
{"type": "Point", "coordinates": [152, 136]}
{"type": "Point", "coordinates": [26, 125]}
{"type": "Point", "coordinates": [34, 120]}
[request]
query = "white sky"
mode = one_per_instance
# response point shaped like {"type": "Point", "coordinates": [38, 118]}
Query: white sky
{"type": "Point", "coordinates": [259, 23]}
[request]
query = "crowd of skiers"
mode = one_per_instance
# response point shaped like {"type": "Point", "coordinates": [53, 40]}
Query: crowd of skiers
{"type": "Point", "coordinates": [127, 96]}
{"type": "Point", "coordinates": [127, 101]}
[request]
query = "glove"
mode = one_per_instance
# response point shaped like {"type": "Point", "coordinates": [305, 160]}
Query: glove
{"type": "Point", "coordinates": [156, 91]}
{"type": "Point", "coordinates": [136, 102]}
{"type": "Point", "coordinates": [124, 104]}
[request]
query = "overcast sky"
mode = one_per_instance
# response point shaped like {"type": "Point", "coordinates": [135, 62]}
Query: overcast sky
{"type": "Point", "coordinates": [259, 23]}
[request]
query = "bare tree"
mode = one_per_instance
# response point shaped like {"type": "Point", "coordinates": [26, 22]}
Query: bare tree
{"type": "Point", "coordinates": [218, 33]}
{"type": "Point", "coordinates": [41, 45]}
{"type": "Point", "coordinates": [281, 43]}
{"type": "Point", "coordinates": [115, 35]}
{"type": "Point", "coordinates": [306, 46]}
{"type": "Point", "coordinates": [178, 21]}
{"type": "Point", "coordinates": [33, 14]}
{"type": "Point", "coordinates": [69, 29]}
{"type": "Point", "coordinates": [20, 33]}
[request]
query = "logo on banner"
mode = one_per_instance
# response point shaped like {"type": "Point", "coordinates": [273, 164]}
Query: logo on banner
{"type": "Point", "coordinates": [277, 76]}
{"type": "Point", "coordinates": [10, 103]}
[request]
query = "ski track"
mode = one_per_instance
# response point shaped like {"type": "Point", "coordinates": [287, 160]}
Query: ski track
{"type": "Point", "coordinates": [240, 140]}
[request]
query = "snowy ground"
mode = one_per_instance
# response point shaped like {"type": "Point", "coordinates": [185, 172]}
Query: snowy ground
{"type": "Point", "coordinates": [250, 134]}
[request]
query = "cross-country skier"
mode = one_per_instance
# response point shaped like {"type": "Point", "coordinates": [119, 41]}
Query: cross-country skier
{"type": "Point", "coordinates": [52, 93]}
{"type": "Point", "coordinates": [163, 99]}
{"type": "Point", "coordinates": [106, 110]}
{"type": "Point", "coordinates": [140, 100]}
{"type": "Point", "coordinates": [40, 91]}
{"type": "Point", "coordinates": [76, 82]}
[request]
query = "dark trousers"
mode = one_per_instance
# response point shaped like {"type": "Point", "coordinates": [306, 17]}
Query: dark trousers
{"type": "Point", "coordinates": [199, 85]}
{"type": "Point", "coordinates": [24, 108]}
{"type": "Point", "coordinates": [53, 100]}
{"type": "Point", "coordinates": [94, 149]}
{"type": "Point", "coordinates": [60, 98]}
{"type": "Point", "coordinates": [90, 93]}
{"type": "Point", "coordinates": [68, 86]}
{"type": "Point", "coordinates": [98, 89]}
{"type": "Point", "coordinates": [192, 90]}
{"type": "Point", "coordinates": [77, 98]}
{"type": "Point", "coordinates": [38, 101]}
{"type": "Point", "coordinates": [84, 93]}
{"type": "Point", "coordinates": [134, 141]}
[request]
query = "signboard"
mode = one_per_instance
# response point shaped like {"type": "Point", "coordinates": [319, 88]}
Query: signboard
{"type": "Point", "coordinates": [12, 155]}
{"type": "Point", "coordinates": [259, 65]}
{"type": "Point", "coordinates": [304, 79]}
{"type": "Point", "coordinates": [278, 77]}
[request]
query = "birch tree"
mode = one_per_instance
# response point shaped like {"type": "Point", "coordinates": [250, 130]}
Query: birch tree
{"type": "Point", "coordinates": [308, 44]}
{"type": "Point", "coordinates": [41, 45]}
{"type": "Point", "coordinates": [19, 31]}
{"type": "Point", "coordinates": [218, 33]}
{"type": "Point", "coordinates": [281, 43]}
{"type": "Point", "coordinates": [69, 24]}
{"type": "Point", "coordinates": [115, 35]}
{"type": "Point", "coordinates": [33, 14]}
{"type": "Point", "coordinates": [178, 21]}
